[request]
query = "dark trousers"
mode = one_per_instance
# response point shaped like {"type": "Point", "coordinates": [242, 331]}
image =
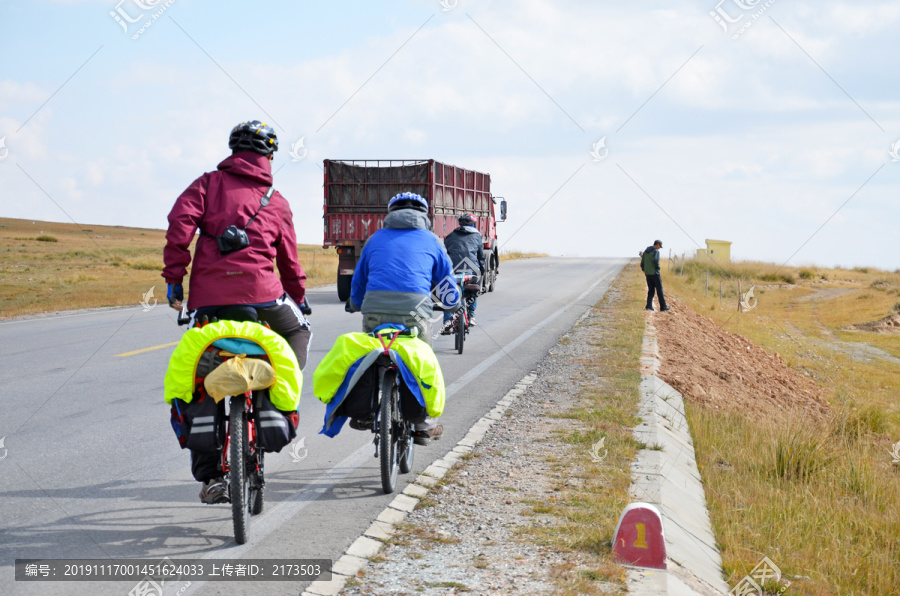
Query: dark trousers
{"type": "Point", "coordinates": [654, 284]}
{"type": "Point", "coordinates": [285, 320]}
{"type": "Point", "coordinates": [286, 323]}
{"type": "Point", "coordinates": [205, 465]}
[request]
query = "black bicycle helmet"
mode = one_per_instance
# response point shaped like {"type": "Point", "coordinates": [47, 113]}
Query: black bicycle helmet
{"type": "Point", "coordinates": [253, 136]}
{"type": "Point", "coordinates": [408, 200]}
{"type": "Point", "coordinates": [467, 220]}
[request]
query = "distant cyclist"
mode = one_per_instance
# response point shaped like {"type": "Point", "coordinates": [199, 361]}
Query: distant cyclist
{"type": "Point", "coordinates": [465, 246]}
{"type": "Point", "coordinates": [399, 267]}
{"type": "Point", "coordinates": [244, 226]}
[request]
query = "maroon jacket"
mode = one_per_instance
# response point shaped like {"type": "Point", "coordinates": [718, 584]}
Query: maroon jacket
{"type": "Point", "coordinates": [215, 201]}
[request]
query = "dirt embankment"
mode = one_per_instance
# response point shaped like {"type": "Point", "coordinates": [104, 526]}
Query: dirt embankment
{"type": "Point", "coordinates": [715, 368]}
{"type": "Point", "coordinates": [889, 324]}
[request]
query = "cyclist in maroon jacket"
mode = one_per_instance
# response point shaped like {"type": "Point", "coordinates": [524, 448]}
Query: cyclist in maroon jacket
{"type": "Point", "coordinates": [246, 230]}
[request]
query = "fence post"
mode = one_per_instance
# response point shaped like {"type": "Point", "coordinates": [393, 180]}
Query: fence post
{"type": "Point", "coordinates": [670, 260]}
{"type": "Point", "coordinates": [682, 263]}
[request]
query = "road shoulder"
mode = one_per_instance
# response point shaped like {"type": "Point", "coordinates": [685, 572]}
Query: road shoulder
{"type": "Point", "coordinates": [531, 507]}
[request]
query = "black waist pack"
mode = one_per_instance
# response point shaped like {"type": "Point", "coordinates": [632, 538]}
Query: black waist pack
{"type": "Point", "coordinates": [235, 238]}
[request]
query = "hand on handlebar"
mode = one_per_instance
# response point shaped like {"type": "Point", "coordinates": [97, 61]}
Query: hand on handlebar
{"type": "Point", "coordinates": [305, 308]}
{"type": "Point", "coordinates": [175, 295]}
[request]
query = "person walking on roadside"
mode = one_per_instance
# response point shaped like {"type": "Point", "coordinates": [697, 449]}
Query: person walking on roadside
{"type": "Point", "coordinates": [650, 267]}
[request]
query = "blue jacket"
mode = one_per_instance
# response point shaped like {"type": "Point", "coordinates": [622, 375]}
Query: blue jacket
{"type": "Point", "coordinates": [400, 265]}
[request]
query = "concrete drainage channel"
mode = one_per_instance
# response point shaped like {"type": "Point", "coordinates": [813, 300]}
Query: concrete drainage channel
{"type": "Point", "coordinates": [667, 476]}
{"type": "Point", "coordinates": [372, 541]}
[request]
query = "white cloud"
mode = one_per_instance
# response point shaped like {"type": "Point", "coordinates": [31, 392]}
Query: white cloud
{"type": "Point", "coordinates": [750, 141]}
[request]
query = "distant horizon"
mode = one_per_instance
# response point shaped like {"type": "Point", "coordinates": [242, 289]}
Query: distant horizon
{"type": "Point", "coordinates": [511, 250]}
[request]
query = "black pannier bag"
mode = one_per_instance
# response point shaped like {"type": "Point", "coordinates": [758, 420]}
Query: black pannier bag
{"type": "Point", "coordinates": [361, 402]}
{"type": "Point", "coordinates": [274, 429]}
{"type": "Point", "coordinates": [200, 424]}
{"type": "Point", "coordinates": [410, 407]}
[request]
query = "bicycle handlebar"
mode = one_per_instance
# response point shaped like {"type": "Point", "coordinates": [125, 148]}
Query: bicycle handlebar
{"type": "Point", "coordinates": [183, 318]}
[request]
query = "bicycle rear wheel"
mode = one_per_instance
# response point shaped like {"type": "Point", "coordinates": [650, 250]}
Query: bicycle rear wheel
{"type": "Point", "coordinates": [238, 483]}
{"type": "Point", "coordinates": [459, 325]}
{"type": "Point", "coordinates": [389, 415]}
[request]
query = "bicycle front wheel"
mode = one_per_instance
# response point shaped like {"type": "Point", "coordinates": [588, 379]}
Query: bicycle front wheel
{"type": "Point", "coordinates": [238, 483]}
{"type": "Point", "coordinates": [389, 415]}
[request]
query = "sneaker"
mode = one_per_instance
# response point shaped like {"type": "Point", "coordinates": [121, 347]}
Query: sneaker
{"type": "Point", "coordinates": [650, 308]}
{"type": "Point", "coordinates": [448, 328]}
{"type": "Point", "coordinates": [666, 308]}
{"type": "Point", "coordinates": [424, 437]}
{"type": "Point", "coordinates": [472, 322]}
{"type": "Point", "coordinates": [362, 423]}
{"type": "Point", "coordinates": [214, 491]}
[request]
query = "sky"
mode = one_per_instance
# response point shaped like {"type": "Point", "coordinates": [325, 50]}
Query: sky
{"type": "Point", "coordinates": [605, 125]}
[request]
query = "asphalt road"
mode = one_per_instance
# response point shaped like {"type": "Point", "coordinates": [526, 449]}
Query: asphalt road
{"type": "Point", "coordinates": [90, 467]}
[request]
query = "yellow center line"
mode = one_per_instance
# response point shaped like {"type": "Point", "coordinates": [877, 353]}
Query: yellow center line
{"type": "Point", "coordinates": [174, 343]}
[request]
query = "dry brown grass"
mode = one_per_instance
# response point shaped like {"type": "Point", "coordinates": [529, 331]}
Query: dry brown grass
{"type": "Point", "coordinates": [514, 254]}
{"type": "Point", "coordinates": [48, 267]}
{"type": "Point", "coordinates": [96, 266]}
{"type": "Point", "coordinates": [819, 498]}
{"type": "Point", "coordinates": [591, 508]}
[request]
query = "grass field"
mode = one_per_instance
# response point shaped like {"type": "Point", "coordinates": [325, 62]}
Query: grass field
{"type": "Point", "coordinates": [819, 498]}
{"type": "Point", "coordinates": [515, 254]}
{"type": "Point", "coordinates": [54, 266]}
{"type": "Point", "coordinates": [48, 267]}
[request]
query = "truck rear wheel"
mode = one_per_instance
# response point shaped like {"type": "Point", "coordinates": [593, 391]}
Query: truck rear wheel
{"type": "Point", "coordinates": [343, 287]}
{"type": "Point", "coordinates": [492, 274]}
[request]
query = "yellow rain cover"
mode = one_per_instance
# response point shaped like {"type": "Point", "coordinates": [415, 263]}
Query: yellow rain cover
{"type": "Point", "coordinates": [238, 375]}
{"type": "Point", "coordinates": [182, 371]}
{"type": "Point", "coordinates": [416, 355]}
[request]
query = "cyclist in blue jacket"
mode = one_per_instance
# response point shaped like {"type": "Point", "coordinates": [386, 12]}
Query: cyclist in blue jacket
{"type": "Point", "coordinates": [399, 267]}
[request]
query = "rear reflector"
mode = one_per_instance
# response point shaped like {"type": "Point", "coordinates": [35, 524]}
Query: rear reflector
{"type": "Point", "coordinates": [345, 271]}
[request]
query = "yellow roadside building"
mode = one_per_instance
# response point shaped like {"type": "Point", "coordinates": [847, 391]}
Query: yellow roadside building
{"type": "Point", "coordinates": [717, 250]}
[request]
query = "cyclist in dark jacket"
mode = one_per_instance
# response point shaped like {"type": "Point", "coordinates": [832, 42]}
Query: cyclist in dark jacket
{"type": "Point", "coordinates": [650, 267]}
{"type": "Point", "coordinates": [465, 246]}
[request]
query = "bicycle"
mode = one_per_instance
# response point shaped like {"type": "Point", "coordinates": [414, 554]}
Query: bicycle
{"type": "Point", "coordinates": [243, 460]}
{"type": "Point", "coordinates": [471, 290]}
{"type": "Point", "coordinates": [393, 440]}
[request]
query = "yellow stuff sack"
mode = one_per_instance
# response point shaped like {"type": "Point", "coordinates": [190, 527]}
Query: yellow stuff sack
{"type": "Point", "coordinates": [238, 375]}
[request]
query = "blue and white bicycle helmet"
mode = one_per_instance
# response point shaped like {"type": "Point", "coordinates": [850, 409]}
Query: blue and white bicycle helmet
{"type": "Point", "coordinates": [408, 200]}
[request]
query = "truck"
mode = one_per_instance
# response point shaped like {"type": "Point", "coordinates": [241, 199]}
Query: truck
{"type": "Point", "coordinates": [357, 193]}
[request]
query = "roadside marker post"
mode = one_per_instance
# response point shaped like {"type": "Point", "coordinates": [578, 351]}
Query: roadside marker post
{"type": "Point", "coordinates": [639, 539]}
